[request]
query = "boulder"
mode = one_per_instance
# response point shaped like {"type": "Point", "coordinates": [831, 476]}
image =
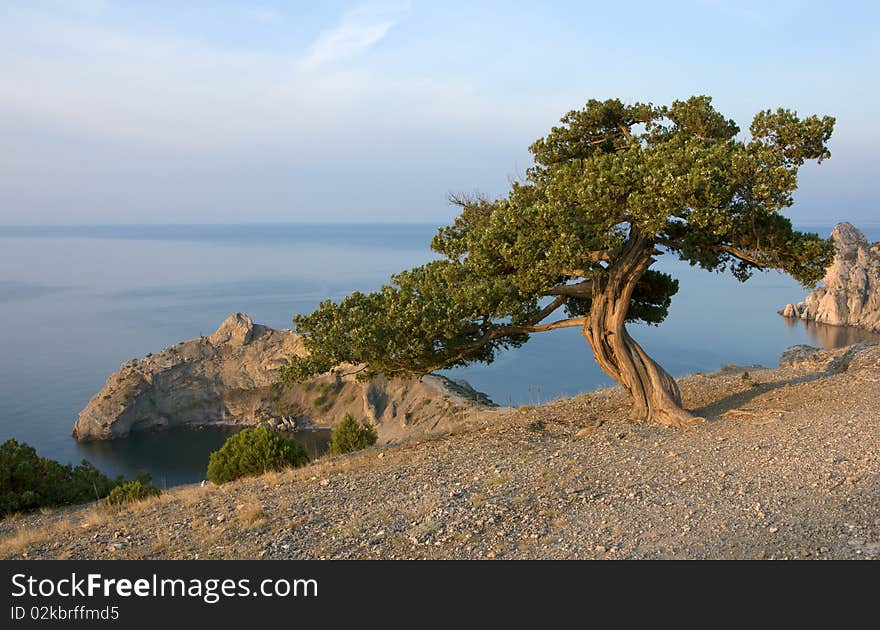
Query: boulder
{"type": "Point", "coordinates": [793, 310]}
{"type": "Point", "coordinates": [236, 330]}
{"type": "Point", "coordinates": [801, 353]}
{"type": "Point", "coordinates": [861, 356]}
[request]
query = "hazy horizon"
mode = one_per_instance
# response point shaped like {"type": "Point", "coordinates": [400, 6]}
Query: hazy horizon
{"type": "Point", "coordinates": [218, 112]}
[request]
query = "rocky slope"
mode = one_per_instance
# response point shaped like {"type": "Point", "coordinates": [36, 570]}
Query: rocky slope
{"type": "Point", "coordinates": [850, 292]}
{"type": "Point", "coordinates": [231, 377]}
{"type": "Point", "coordinates": [787, 465]}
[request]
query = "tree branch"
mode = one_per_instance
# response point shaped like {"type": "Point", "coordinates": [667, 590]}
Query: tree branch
{"type": "Point", "coordinates": [494, 332]}
{"type": "Point", "coordinates": [503, 331]}
{"type": "Point", "coordinates": [357, 371]}
{"type": "Point", "coordinates": [581, 289]}
{"type": "Point", "coordinates": [600, 255]}
{"type": "Point", "coordinates": [545, 312]}
{"type": "Point", "coordinates": [600, 140]}
{"type": "Point", "coordinates": [749, 257]}
{"type": "Point", "coordinates": [562, 323]}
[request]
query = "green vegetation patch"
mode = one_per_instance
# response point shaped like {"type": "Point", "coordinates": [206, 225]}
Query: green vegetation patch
{"type": "Point", "coordinates": [352, 435]}
{"type": "Point", "coordinates": [254, 452]}
{"type": "Point", "coordinates": [133, 491]}
{"type": "Point", "coordinates": [28, 481]}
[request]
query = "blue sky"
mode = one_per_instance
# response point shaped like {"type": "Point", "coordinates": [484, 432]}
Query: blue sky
{"type": "Point", "coordinates": [220, 112]}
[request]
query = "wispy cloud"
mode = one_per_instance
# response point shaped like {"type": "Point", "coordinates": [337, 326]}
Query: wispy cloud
{"type": "Point", "coordinates": [358, 31]}
{"type": "Point", "coordinates": [169, 91]}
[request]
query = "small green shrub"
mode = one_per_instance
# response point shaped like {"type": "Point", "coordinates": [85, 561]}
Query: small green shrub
{"type": "Point", "coordinates": [350, 435]}
{"type": "Point", "coordinates": [327, 396]}
{"type": "Point", "coordinates": [133, 491]}
{"type": "Point", "coordinates": [254, 452]}
{"type": "Point", "coordinates": [28, 481]}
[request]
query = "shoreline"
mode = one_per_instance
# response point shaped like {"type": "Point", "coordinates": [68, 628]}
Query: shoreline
{"type": "Point", "coordinates": [787, 465]}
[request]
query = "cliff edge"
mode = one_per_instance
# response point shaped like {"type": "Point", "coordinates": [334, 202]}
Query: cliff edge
{"type": "Point", "coordinates": [230, 377]}
{"type": "Point", "coordinates": [850, 291]}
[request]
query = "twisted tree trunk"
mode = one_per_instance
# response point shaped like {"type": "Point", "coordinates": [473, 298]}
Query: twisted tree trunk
{"type": "Point", "coordinates": [655, 395]}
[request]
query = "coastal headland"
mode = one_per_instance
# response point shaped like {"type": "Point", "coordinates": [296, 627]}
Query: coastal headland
{"type": "Point", "coordinates": [786, 465]}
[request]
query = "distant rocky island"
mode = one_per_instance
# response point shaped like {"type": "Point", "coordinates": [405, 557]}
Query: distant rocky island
{"type": "Point", "coordinates": [850, 291]}
{"type": "Point", "coordinates": [231, 377]}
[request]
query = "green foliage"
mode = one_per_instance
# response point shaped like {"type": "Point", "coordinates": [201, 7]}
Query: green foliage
{"type": "Point", "coordinates": [327, 395]}
{"type": "Point", "coordinates": [612, 180]}
{"type": "Point", "coordinates": [28, 481]}
{"type": "Point", "coordinates": [349, 435]}
{"type": "Point", "coordinates": [133, 491]}
{"type": "Point", "coordinates": [254, 452]}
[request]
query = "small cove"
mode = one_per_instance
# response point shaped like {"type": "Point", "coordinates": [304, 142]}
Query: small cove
{"type": "Point", "coordinates": [178, 455]}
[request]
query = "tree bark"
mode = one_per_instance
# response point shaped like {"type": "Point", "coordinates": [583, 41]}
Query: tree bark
{"type": "Point", "coordinates": [655, 394]}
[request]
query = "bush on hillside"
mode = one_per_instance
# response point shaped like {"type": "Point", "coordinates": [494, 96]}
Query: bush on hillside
{"type": "Point", "coordinates": [254, 452]}
{"type": "Point", "coordinates": [133, 491]}
{"type": "Point", "coordinates": [350, 435]}
{"type": "Point", "coordinates": [28, 481]}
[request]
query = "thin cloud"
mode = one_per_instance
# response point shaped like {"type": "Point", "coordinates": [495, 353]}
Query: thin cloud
{"type": "Point", "coordinates": [359, 30]}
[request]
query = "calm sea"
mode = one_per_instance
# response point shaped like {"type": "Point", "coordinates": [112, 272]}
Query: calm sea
{"type": "Point", "coordinates": [75, 302]}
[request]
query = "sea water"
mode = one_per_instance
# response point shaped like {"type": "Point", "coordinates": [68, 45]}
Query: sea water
{"type": "Point", "coordinates": [77, 301]}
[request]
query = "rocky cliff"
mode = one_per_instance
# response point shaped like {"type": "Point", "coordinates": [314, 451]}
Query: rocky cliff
{"type": "Point", "coordinates": [231, 377]}
{"type": "Point", "coordinates": [850, 291]}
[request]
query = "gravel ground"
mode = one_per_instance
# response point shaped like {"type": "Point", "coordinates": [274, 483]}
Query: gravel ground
{"type": "Point", "coordinates": [787, 465]}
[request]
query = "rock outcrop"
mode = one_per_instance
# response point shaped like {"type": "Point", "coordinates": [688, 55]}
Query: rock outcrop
{"type": "Point", "coordinates": [850, 291]}
{"type": "Point", "coordinates": [862, 356]}
{"type": "Point", "coordinates": [231, 377]}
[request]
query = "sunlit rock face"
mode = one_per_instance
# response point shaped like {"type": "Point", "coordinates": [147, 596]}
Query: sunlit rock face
{"type": "Point", "coordinates": [231, 377]}
{"type": "Point", "coordinates": [850, 291]}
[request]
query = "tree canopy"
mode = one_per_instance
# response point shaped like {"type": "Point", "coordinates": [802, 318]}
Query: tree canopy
{"type": "Point", "coordinates": [612, 187]}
